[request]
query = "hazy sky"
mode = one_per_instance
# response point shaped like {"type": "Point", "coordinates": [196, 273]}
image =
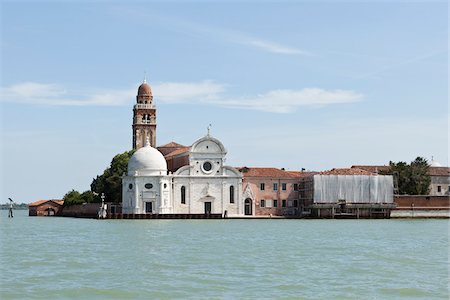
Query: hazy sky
{"type": "Point", "coordinates": [294, 84]}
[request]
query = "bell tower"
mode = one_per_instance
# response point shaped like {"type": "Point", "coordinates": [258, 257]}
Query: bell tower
{"type": "Point", "coordinates": [144, 118]}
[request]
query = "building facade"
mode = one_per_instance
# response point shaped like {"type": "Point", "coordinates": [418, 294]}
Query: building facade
{"type": "Point", "coordinates": [440, 179]}
{"type": "Point", "coordinates": [270, 191]}
{"type": "Point", "coordinates": [204, 186]}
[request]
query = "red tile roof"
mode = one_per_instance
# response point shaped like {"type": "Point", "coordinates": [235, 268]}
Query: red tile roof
{"type": "Point", "coordinates": [432, 171]}
{"type": "Point", "coordinates": [267, 172]}
{"type": "Point", "coordinates": [439, 171]}
{"type": "Point", "coordinates": [349, 171]}
{"type": "Point", "coordinates": [373, 169]}
{"type": "Point", "coordinates": [171, 147]}
{"type": "Point", "coordinates": [39, 202]}
{"type": "Point", "coordinates": [177, 152]}
{"type": "Point", "coordinates": [302, 174]}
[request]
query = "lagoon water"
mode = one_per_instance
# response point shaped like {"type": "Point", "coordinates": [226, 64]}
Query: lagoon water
{"type": "Point", "coordinates": [65, 258]}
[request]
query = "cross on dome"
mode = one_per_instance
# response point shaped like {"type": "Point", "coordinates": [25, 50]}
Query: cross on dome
{"type": "Point", "coordinates": [209, 129]}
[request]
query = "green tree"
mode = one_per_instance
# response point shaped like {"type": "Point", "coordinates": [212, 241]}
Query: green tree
{"type": "Point", "coordinates": [110, 182]}
{"type": "Point", "coordinates": [87, 197]}
{"type": "Point", "coordinates": [72, 197]}
{"type": "Point", "coordinates": [413, 178]}
{"type": "Point", "coordinates": [420, 180]}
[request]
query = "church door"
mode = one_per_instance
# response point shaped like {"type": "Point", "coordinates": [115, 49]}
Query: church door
{"type": "Point", "coordinates": [248, 207]}
{"type": "Point", "coordinates": [148, 207]}
{"type": "Point", "coordinates": [207, 208]}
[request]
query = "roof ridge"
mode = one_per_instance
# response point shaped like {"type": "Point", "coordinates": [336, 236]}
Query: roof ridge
{"type": "Point", "coordinates": [171, 144]}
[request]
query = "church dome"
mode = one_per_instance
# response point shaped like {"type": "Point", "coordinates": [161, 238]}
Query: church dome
{"type": "Point", "coordinates": [144, 89]}
{"type": "Point", "coordinates": [147, 161]}
{"type": "Point", "coordinates": [435, 163]}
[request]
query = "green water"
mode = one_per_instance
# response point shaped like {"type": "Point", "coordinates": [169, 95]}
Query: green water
{"type": "Point", "coordinates": [223, 259]}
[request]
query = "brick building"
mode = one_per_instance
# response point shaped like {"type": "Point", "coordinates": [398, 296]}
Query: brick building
{"type": "Point", "coordinates": [270, 191]}
{"type": "Point", "coordinates": [45, 208]}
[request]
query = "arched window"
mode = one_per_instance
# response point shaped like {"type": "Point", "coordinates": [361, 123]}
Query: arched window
{"type": "Point", "coordinates": [183, 195]}
{"type": "Point", "coordinates": [232, 194]}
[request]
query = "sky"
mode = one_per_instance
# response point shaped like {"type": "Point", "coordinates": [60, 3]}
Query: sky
{"type": "Point", "coordinates": [285, 84]}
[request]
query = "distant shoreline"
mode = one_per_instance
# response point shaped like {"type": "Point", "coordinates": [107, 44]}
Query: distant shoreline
{"type": "Point", "coordinates": [22, 206]}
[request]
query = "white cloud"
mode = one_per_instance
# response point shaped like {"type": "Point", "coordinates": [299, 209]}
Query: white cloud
{"type": "Point", "coordinates": [177, 92]}
{"type": "Point", "coordinates": [53, 94]}
{"type": "Point", "coordinates": [166, 92]}
{"type": "Point", "coordinates": [286, 101]}
{"type": "Point", "coordinates": [32, 89]}
{"type": "Point", "coordinates": [275, 48]}
{"type": "Point", "coordinates": [204, 92]}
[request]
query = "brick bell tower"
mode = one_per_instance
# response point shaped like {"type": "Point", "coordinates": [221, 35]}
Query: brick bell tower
{"type": "Point", "coordinates": [144, 117]}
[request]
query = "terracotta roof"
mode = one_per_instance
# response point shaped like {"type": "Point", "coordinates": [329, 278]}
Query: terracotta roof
{"type": "Point", "coordinates": [349, 171]}
{"type": "Point", "coordinates": [302, 174]}
{"type": "Point", "coordinates": [373, 169]}
{"type": "Point", "coordinates": [177, 152]}
{"type": "Point", "coordinates": [296, 173]}
{"type": "Point", "coordinates": [39, 202]}
{"type": "Point", "coordinates": [439, 171]}
{"type": "Point", "coordinates": [267, 172]}
{"type": "Point", "coordinates": [171, 145]}
{"type": "Point", "coordinates": [432, 171]}
{"type": "Point", "coordinates": [170, 148]}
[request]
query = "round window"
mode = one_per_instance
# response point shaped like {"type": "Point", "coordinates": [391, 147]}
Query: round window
{"type": "Point", "coordinates": [130, 186]}
{"type": "Point", "coordinates": [207, 166]}
{"type": "Point", "coordinates": [148, 186]}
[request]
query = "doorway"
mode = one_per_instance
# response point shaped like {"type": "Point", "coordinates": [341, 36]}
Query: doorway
{"type": "Point", "coordinates": [149, 207]}
{"type": "Point", "coordinates": [49, 212]}
{"type": "Point", "coordinates": [207, 208]}
{"type": "Point", "coordinates": [248, 207]}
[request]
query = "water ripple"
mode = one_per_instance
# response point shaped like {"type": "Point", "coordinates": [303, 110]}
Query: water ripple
{"type": "Point", "coordinates": [223, 259]}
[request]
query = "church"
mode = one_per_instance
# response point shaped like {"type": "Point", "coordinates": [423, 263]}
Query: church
{"type": "Point", "coordinates": [197, 183]}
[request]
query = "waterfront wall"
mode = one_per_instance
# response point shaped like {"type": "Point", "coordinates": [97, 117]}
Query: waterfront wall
{"type": "Point", "coordinates": [88, 210]}
{"type": "Point", "coordinates": [422, 202]}
{"type": "Point", "coordinates": [420, 213]}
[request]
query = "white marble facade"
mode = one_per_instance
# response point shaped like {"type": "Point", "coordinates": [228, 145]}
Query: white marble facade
{"type": "Point", "coordinates": [206, 185]}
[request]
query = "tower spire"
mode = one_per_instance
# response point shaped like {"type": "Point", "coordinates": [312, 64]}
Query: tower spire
{"type": "Point", "coordinates": [145, 77]}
